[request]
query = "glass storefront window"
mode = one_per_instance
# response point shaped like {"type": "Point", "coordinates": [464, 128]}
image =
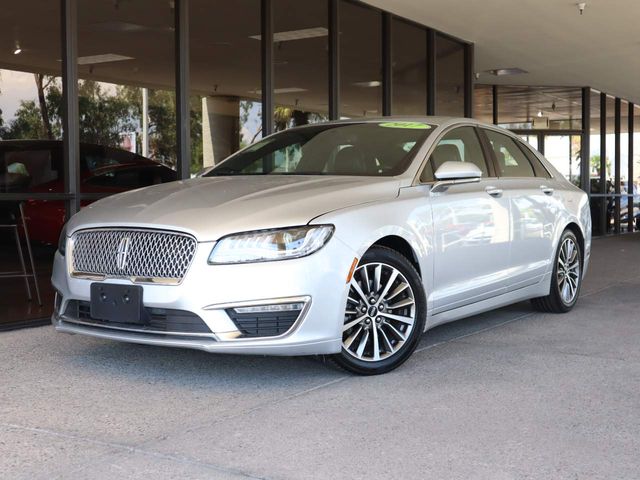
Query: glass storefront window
{"type": "Point", "coordinates": [635, 178]}
{"type": "Point", "coordinates": [126, 72]}
{"type": "Point", "coordinates": [360, 61]}
{"type": "Point", "coordinates": [449, 77]}
{"type": "Point", "coordinates": [409, 71]}
{"type": "Point", "coordinates": [225, 80]}
{"type": "Point", "coordinates": [525, 108]}
{"type": "Point", "coordinates": [563, 151]}
{"type": "Point", "coordinates": [301, 62]}
{"type": "Point", "coordinates": [624, 186]}
{"type": "Point", "coordinates": [598, 204]}
{"type": "Point", "coordinates": [30, 159]}
{"type": "Point", "coordinates": [610, 166]}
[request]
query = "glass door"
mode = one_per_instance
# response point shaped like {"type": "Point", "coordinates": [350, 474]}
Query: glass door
{"type": "Point", "coordinates": [564, 152]}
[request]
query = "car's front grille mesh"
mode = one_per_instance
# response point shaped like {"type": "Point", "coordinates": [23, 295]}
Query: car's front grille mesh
{"type": "Point", "coordinates": [145, 254]}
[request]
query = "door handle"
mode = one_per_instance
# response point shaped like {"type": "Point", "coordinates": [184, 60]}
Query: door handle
{"type": "Point", "coordinates": [546, 190]}
{"type": "Point", "coordinates": [493, 191]}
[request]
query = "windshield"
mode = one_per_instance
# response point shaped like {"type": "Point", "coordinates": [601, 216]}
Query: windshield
{"type": "Point", "coordinates": [361, 149]}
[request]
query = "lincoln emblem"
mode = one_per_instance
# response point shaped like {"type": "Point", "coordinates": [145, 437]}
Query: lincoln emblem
{"type": "Point", "coordinates": [123, 251]}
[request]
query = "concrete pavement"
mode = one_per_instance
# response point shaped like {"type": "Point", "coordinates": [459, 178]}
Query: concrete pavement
{"type": "Point", "coordinates": [508, 394]}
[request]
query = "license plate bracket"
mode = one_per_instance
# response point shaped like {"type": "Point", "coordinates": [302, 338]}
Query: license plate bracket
{"type": "Point", "coordinates": [117, 303]}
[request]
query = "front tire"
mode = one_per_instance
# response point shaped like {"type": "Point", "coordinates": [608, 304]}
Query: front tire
{"type": "Point", "coordinates": [566, 279]}
{"type": "Point", "coordinates": [384, 316]}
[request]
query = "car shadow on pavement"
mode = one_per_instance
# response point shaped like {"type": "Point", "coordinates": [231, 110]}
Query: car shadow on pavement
{"type": "Point", "coordinates": [193, 367]}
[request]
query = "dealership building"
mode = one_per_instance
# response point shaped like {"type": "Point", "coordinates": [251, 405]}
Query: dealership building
{"type": "Point", "coordinates": [188, 82]}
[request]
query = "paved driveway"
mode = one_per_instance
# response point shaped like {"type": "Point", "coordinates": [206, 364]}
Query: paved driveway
{"type": "Point", "coordinates": [508, 394]}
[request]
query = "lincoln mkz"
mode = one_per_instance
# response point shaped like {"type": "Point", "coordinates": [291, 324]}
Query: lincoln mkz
{"type": "Point", "coordinates": [344, 239]}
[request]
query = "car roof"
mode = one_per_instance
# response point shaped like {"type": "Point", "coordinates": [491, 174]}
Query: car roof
{"type": "Point", "coordinates": [431, 120]}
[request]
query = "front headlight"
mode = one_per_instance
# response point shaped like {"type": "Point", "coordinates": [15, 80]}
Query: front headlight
{"type": "Point", "coordinates": [269, 245]}
{"type": "Point", "coordinates": [62, 241]}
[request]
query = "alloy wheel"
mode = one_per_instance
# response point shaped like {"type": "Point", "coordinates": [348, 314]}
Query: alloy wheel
{"type": "Point", "coordinates": [568, 271]}
{"type": "Point", "coordinates": [380, 312]}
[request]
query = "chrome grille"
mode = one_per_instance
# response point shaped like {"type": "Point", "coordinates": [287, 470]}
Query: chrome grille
{"type": "Point", "coordinates": [149, 255]}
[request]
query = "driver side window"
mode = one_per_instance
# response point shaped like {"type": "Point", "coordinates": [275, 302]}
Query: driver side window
{"type": "Point", "coordinates": [459, 145]}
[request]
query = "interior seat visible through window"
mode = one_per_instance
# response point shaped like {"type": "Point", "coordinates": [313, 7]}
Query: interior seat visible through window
{"type": "Point", "coordinates": [459, 145]}
{"type": "Point", "coordinates": [512, 162]}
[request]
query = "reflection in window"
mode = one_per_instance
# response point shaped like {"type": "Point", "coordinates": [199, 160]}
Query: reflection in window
{"type": "Point", "coordinates": [360, 61]}
{"type": "Point", "coordinates": [224, 54]}
{"type": "Point", "coordinates": [409, 71]}
{"type": "Point", "coordinates": [359, 149]}
{"type": "Point", "coordinates": [523, 107]}
{"type": "Point", "coordinates": [511, 160]}
{"type": "Point", "coordinates": [30, 161]}
{"type": "Point", "coordinates": [449, 77]}
{"type": "Point", "coordinates": [459, 145]}
{"type": "Point", "coordinates": [301, 62]}
{"type": "Point", "coordinates": [127, 102]}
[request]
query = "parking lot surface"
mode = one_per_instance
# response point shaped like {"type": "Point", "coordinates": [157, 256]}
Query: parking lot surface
{"type": "Point", "coordinates": [509, 394]}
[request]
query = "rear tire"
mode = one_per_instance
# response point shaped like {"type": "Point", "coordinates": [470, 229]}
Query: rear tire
{"type": "Point", "coordinates": [566, 279]}
{"type": "Point", "coordinates": [384, 316]}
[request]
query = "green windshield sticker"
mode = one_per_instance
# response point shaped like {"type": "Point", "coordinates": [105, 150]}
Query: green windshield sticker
{"type": "Point", "coordinates": [415, 125]}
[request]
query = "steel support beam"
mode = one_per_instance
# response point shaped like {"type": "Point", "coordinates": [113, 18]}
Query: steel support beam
{"type": "Point", "coordinates": [70, 111]}
{"type": "Point", "coordinates": [431, 72]}
{"type": "Point", "coordinates": [266, 43]}
{"type": "Point", "coordinates": [585, 147]}
{"type": "Point", "coordinates": [183, 117]}
{"type": "Point", "coordinates": [387, 65]}
{"type": "Point", "coordinates": [469, 80]}
{"type": "Point", "coordinates": [334, 59]}
{"type": "Point", "coordinates": [630, 176]}
{"type": "Point", "coordinates": [494, 103]}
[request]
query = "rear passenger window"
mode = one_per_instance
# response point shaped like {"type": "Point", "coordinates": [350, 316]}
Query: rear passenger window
{"type": "Point", "coordinates": [511, 161]}
{"type": "Point", "coordinates": [538, 167]}
{"type": "Point", "coordinates": [459, 145]}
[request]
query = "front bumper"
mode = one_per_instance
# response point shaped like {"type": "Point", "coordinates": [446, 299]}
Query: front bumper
{"type": "Point", "coordinates": [209, 290]}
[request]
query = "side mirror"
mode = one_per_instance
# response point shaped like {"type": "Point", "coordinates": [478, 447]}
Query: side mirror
{"type": "Point", "coordinates": [454, 173]}
{"type": "Point", "coordinates": [458, 171]}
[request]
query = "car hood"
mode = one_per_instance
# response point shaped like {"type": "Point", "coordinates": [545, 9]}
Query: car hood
{"type": "Point", "coordinates": [211, 207]}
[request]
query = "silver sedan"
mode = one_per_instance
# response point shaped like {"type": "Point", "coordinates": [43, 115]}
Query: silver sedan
{"type": "Point", "coordinates": [347, 239]}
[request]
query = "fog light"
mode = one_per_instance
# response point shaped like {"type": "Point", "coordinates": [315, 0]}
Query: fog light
{"type": "Point", "coordinates": [278, 307]}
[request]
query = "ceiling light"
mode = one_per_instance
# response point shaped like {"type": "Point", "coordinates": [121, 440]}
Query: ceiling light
{"type": "Point", "coordinates": [581, 6]}
{"type": "Point", "coordinates": [372, 83]}
{"type": "Point", "coordinates": [498, 72]}
{"type": "Point", "coordinates": [296, 34]}
{"type": "Point", "coordinates": [104, 58]}
{"type": "Point", "coordinates": [18, 49]}
{"type": "Point", "coordinates": [540, 113]}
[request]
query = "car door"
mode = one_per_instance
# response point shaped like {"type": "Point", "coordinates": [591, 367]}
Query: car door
{"type": "Point", "coordinates": [534, 208]}
{"type": "Point", "coordinates": [471, 226]}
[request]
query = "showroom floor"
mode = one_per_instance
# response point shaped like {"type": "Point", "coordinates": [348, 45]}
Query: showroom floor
{"type": "Point", "coordinates": [510, 394]}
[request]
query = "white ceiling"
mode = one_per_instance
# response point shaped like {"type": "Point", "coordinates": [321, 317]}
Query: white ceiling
{"type": "Point", "coordinates": [548, 38]}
